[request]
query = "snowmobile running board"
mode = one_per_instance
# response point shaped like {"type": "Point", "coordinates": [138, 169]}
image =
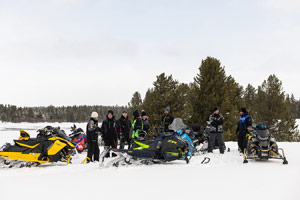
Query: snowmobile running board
{"type": "Point", "coordinates": [7, 163]}
{"type": "Point", "coordinates": [281, 157]}
{"type": "Point", "coordinates": [122, 158]}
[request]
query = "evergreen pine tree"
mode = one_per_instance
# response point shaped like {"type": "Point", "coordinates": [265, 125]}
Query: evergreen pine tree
{"type": "Point", "coordinates": [273, 107]}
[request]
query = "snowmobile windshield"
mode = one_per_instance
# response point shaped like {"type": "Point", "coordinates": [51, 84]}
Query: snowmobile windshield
{"type": "Point", "coordinates": [177, 125]}
{"type": "Point", "coordinates": [261, 126]}
{"type": "Point", "coordinates": [263, 134]}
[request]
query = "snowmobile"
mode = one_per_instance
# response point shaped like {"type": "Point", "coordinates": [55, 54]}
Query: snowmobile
{"type": "Point", "coordinates": [262, 145]}
{"type": "Point", "coordinates": [196, 139]}
{"type": "Point", "coordinates": [199, 138]}
{"type": "Point", "coordinates": [185, 133]}
{"type": "Point", "coordinates": [27, 152]}
{"type": "Point", "coordinates": [165, 148]}
{"type": "Point", "coordinates": [78, 137]}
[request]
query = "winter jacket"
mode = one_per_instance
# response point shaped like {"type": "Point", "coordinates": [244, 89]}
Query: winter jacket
{"type": "Point", "coordinates": [110, 129]}
{"type": "Point", "coordinates": [243, 124]}
{"type": "Point", "coordinates": [216, 123]}
{"type": "Point", "coordinates": [167, 120]}
{"type": "Point", "coordinates": [92, 130]}
{"type": "Point", "coordinates": [125, 125]}
{"type": "Point", "coordinates": [137, 126]}
{"type": "Point", "coordinates": [146, 125]}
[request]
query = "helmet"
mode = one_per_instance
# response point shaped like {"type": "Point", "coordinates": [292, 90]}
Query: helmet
{"type": "Point", "coordinates": [94, 115]}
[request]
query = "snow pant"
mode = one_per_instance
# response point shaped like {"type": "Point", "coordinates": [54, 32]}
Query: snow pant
{"type": "Point", "coordinates": [124, 140]}
{"type": "Point", "coordinates": [212, 139]}
{"type": "Point", "coordinates": [242, 141]}
{"type": "Point", "coordinates": [111, 142]}
{"type": "Point", "coordinates": [93, 151]}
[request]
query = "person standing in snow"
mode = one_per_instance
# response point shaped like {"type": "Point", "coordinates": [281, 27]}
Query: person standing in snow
{"type": "Point", "coordinates": [110, 130]}
{"type": "Point", "coordinates": [146, 124]}
{"type": "Point", "coordinates": [216, 131]}
{"type": "Point", "coordinates": [167, 119]}
{"type": "Point", "coordinates": [125, 125]}
{"type": "Point", "coordinates": [242, 129]}
{"type": "Point", "coordinates": [92, 132]}
{"type": "Point", "coordinates": [137, 125]}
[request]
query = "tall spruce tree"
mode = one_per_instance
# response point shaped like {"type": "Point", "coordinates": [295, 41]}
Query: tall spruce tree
{"type": "Point", "coordinates": [135, 103]}
{"type": "Point", "coordinates": [166, 92]}
{"type": "Point", "coordinates": [212, 88]}
{"type": "Point", "coordinates": [209, 89]}
{"type": "Point", "coordinates": [249, 98]}
{"type": "Point", "coordinates": [273, 107]}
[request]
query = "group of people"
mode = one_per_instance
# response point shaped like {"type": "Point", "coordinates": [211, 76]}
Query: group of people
{"type": "Point", "coordinates": [125, 130]}
{"type": "Point", "coordinates": [122, 129]}
{"type": "Point", "coordinates": [216, 121]}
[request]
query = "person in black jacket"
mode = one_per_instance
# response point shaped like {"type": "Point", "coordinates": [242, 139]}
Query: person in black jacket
{"type": "Point", "coordinates": [167, 119]}
{"type": "Point", "coordinates": [125, 125]}
{"type": "Point", "coordinates": [92, 132]}
{"type": "Point", "coordinates": [242, 129]}
{"type": "Point", "coordinates": [146, 124]}
{"type": "Point", "coordinates": [137, 125]}
{"type": "Point", "coordinates": [110, 130]}
{"type": "Point", "coordinates": [216, 131]}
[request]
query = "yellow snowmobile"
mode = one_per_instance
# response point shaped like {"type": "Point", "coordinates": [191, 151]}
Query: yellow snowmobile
{"type": "Point", "coordinates": [27, 152]}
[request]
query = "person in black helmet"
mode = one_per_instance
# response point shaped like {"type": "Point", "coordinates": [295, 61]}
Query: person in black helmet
{"type": "Point", "coordinates": [110, 130]}
{"type": "Point", "coordinates": [167, 119]}
{"type": "Point", "coordinates": [242, 129]}
{"type": "Point", "coordinates": [125, 125]}
{"type": "Point", "coordinates": [216, 131]}
{"type": "Point", "coordinates": [92, 132]}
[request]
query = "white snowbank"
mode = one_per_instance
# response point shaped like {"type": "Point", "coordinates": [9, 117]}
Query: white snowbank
{"type": "Point", "coordinates": [225, 177]}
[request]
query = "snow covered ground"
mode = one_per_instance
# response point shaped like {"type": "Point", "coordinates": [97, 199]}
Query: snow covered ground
{"type": "Point", "coordinates": [225, 177]}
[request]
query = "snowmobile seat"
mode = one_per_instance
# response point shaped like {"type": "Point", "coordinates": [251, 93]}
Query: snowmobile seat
{"type": "Point", "coordinates": [27, 143]}
{"type": "Point", "coordinates": [13, 148]}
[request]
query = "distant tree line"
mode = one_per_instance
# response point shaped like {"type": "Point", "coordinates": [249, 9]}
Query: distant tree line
{"type": "Point", "coordinates": [11, 113]}
{"type": "Point", "coordinates": [212, 87]}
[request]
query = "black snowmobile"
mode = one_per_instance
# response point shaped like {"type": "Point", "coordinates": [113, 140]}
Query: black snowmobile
{"type": "Point", "coordinates": [166, 147]}
{"type": "Point", "coordinates": [200, 138]}
{"type": "Point", "coordinates": [262, 145]}
{"type": "Point", "coordinates": [197, 139]}
{"type": "Point", "coordinates": [27, 152]}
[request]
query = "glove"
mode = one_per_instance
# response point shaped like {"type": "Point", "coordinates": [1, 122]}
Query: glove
{"type": "Point", "coordinates": [248, 136]}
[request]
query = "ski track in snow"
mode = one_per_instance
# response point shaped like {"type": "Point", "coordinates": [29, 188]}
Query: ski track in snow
{"type": "Point", "coordinates": [225, 177]}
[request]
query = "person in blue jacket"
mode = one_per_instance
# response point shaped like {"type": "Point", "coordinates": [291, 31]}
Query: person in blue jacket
{"type": "Point", "coordinates": [242, 129]}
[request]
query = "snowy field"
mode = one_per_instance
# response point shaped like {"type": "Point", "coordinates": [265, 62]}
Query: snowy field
{"type": "Point", "coordinates": [225, 177]}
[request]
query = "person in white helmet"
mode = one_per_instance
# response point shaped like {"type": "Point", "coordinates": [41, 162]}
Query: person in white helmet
{"type": "Point", "coordinates": [92, 132]}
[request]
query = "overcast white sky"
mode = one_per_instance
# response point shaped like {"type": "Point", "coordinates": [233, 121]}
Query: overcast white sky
{"type": "Point", "coordinates": [74, 52]}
